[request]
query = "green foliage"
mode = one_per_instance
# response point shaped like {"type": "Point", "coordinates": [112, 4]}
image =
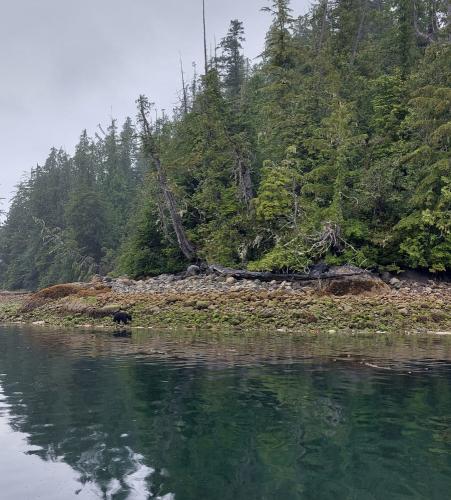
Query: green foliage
{"type": "Point", "coordinates": [282, 257]}
{"type": "Point", "coordinates": [277, 194]}
{"type": "Point", "coordinates": [146, 251]}
{"type": "Point", "coordinates": [334, 147]}
{"type": "Point", "coordinates": [232, 60]}
{"type": "Point", "coordinates": [68, 219]}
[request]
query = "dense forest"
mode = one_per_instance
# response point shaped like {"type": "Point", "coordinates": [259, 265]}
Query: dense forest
{"type": "Point", "coordinates": [333, 146]}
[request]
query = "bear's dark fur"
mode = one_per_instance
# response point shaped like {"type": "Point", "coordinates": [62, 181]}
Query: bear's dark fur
{"type": "Point", "coordinates": [122, 318]}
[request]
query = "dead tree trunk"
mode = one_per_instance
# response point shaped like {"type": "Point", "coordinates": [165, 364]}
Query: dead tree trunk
{"type": "Point", "coordinates": [242, 169]}
{"type": "Point", "coordinates": [185, 245]}
{"type": "Point", "coordinates": [244, 179]}
{"type": "Point", "coordinates": [205, 37]}
{"type": "Point", "coordinates": [338, 273]}
{"type": "Point", "coordinates": [184, 93]}
{"type": "Point", "coordinates": [151, 149]}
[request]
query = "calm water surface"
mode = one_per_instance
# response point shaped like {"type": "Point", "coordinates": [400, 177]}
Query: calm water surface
{"type": "Point", "coordinates": [194, 417]}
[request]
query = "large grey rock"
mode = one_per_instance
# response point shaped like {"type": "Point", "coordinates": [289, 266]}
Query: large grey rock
{"type": "Point", "coordinates": [193, 271]}
{"type": "Point", "coordinates": [395, 282]}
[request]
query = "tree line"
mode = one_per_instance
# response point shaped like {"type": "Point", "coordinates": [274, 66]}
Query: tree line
{"type": "Point", "coordinates": [333, 147]}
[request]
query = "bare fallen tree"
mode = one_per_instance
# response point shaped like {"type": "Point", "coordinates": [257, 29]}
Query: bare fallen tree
{"type": "Point", "coordinates": [328, 273]}
{"type": "Point", "coordinates": [329, 238]}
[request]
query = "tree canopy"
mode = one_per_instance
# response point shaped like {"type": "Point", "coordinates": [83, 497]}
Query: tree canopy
{"type": "Point", "coordinates": [333, 147]}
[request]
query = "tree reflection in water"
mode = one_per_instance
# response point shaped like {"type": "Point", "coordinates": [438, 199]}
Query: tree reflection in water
{"type": "Point", "coordinates": [138, 426]}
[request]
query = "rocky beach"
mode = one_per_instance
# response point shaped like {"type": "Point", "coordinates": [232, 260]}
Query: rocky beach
{"type": "Point", "coordinates": [341, 300]}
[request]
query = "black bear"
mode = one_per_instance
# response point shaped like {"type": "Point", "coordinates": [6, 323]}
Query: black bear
{"type": "Point", "coordinates": [122, 317]}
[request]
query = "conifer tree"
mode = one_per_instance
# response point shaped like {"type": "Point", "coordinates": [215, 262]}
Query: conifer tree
{"type": "Point", "coordinates": [333, 147]}
{"type": "Point", "coordinates": [232, 59]}
{"type": "Point", "coordinates": [150, 147]}
{"type": "Point", "coordinates": [278, 50]}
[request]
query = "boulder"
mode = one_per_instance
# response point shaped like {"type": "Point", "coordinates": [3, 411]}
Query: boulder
{"type": "Point", "coordinates": [193, 271]}
{"type": "Point", "coordinates": [395, 283]}
{"type": "Point", "coordinates": [386, 277]}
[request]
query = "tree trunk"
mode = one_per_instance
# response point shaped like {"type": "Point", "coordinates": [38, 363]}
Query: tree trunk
{"type": "Point", "coordinates": [244, 180]}
{"type": "Point", "coordinates": [184, 94]}
{"type": "Point", "coordinates": [150, 147]}
{"type": "Point", "coordinates": [339, 273]}
{"type": "Point", "coordinates": [185, 245]}
{"type": "Point", "coordinates": [242, 171]}
{"type": "Point", "coordinates": [205, 38]}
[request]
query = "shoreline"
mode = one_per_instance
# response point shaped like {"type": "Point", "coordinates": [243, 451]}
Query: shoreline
{"type": "Point", "coordinates": [216, 303]}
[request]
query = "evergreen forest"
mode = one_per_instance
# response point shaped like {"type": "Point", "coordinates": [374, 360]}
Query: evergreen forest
{"type": "Point", "coordinates": [333, 146]}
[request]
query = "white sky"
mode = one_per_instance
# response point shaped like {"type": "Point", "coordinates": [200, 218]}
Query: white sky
{"type": "Point", "coordinates": [72, 64]}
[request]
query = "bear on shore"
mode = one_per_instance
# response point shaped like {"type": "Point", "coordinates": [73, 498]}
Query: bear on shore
{"type": "Point", "coordinates": [122, 317]}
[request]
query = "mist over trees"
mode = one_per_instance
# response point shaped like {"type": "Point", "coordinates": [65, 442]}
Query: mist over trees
{"type": "Point", "coordinates": [333, 147]}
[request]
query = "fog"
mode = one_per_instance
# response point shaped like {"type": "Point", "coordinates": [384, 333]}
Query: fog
{"type": "Point", "coordinates": [72, 65]}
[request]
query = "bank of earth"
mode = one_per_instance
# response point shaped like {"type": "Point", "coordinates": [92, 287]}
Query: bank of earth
{"type": "Point", "coordinates": [362, 302]}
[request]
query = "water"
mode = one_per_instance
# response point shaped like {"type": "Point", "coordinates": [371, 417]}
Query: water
{"type": "Point", "coordinates": [197, 417]}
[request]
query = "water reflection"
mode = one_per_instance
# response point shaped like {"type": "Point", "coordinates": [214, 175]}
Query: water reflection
{"type": "Point", "coordinates": [185, 417]}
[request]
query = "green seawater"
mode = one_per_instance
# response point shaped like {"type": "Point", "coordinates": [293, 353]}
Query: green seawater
{"type": "Point", "coordinates": [191, 416]}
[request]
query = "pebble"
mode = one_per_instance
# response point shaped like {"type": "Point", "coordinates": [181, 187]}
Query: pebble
{"type": "Point", "coordinates": [200, 283]}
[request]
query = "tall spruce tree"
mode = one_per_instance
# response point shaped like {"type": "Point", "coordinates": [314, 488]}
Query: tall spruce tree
{"type": "Point", "coordinates": [232, 60]}
{"type": "Point", "coordinates": [333, 147]}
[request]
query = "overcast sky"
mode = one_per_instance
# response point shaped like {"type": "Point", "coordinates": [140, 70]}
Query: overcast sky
{"type": "Point", "coordinates": [72, 64]}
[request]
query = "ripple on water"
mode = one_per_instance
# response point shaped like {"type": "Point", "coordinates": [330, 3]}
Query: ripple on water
{"type": "Point", "coordinates": [186, 416]}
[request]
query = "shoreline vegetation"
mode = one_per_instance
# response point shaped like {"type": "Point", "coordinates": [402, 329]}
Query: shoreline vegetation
{"type": "Point", "coordinates": [213, 301]}
{"type": "Point", "coordinates": [332, 147]}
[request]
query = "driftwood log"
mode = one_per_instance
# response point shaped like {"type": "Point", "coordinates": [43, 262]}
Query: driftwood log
{"type": "Point", "coordinates": [339, 272]}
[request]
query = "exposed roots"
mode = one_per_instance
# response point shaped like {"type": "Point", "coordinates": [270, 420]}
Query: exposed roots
{"type": "Point", "coordinates": [330, 238]}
